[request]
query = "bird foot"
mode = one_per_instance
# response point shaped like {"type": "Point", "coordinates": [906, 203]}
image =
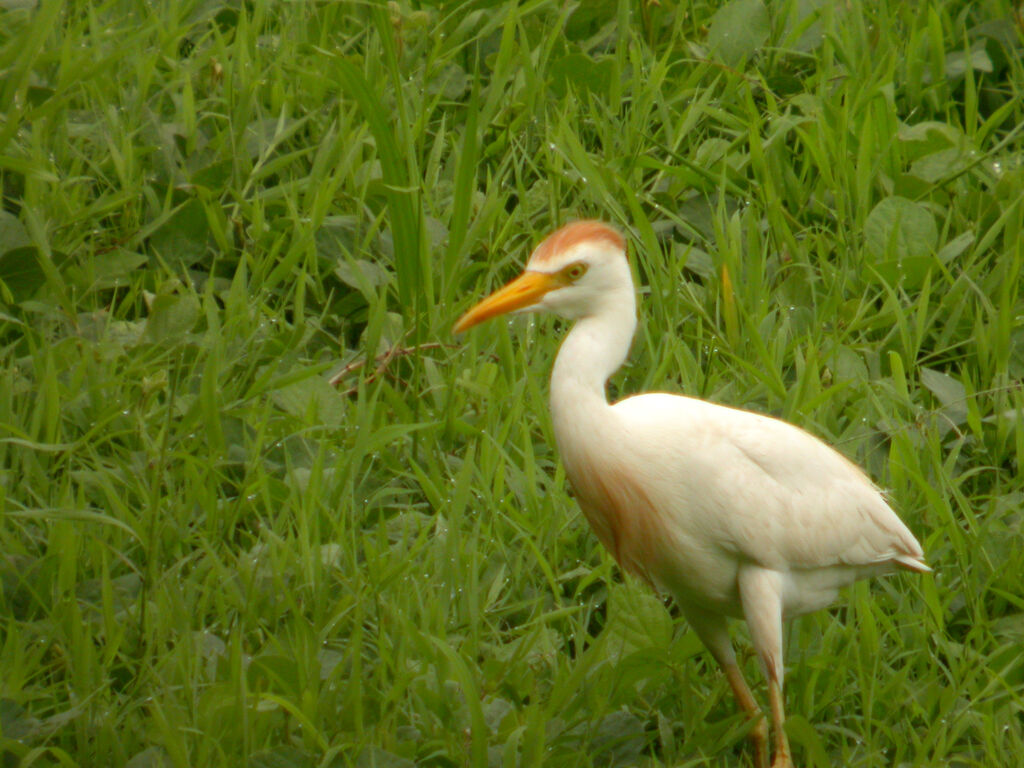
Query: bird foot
{"type": "Point", "coordinates": [759, 740]}
{"type": "Point", "coordinates": [782, 760]}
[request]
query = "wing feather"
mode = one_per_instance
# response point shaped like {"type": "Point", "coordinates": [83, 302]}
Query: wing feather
{"type": "Point", "coordinates": [761, 488]}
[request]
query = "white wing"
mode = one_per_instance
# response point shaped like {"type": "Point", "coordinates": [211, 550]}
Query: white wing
{"type": "Point", "coordinates": [761, 489]}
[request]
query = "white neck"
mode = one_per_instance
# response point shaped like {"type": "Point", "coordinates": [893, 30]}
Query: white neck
{"type": "Point", "coordinates": [593, 350]}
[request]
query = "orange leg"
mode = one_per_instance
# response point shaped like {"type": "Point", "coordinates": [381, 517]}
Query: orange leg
{"type": "Point", "coordinates": [714, 633]}
{"type": "Point", "coordinates": [761, 593]}
{"type": "Point", "coordinates": [759, 732]}
{"type": "Point", "coordinates": [783, 757]}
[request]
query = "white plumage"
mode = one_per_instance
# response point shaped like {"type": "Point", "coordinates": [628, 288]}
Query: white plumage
{"type": "Point", "coordinates": [733, 513]}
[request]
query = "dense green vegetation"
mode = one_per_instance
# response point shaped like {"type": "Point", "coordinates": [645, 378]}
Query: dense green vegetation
{"type": "Point", "coordinates": [259, 508]}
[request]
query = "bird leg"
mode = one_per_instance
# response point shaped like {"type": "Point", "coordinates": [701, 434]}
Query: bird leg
{"type": "Point", "coordinates": [713, 631]}
{"type": "Point", "coordinates": [783, 757]}
{"type": "Point", "coordinates": [761, 595]}
{"type": "Point", "coordinates": [759, 731]}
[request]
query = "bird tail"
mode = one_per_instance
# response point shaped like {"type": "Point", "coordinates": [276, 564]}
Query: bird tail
{"type": "Point", "coordinates": [912, 563]}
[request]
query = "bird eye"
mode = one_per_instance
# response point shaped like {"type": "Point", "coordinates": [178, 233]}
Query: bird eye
{"type": "Point", "coordinates": [575, 271]}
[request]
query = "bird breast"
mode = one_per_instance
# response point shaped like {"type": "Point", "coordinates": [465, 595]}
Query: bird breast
{"type": "Point", "coordinates": [645, 519]}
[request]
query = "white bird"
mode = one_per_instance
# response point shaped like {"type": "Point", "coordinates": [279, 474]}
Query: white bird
{"type": "Point", "coordinates": [734, 513]}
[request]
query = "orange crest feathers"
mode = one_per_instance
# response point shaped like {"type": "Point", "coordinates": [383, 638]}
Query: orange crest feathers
{"type": "Point", "coordinates": [573, 234]}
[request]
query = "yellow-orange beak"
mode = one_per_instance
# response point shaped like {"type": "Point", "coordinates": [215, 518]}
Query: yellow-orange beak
{"type": "Point", "coordinates": [526, 290]}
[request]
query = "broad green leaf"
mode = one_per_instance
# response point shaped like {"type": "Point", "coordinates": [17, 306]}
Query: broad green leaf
{"type": "Point", "coordinates": [620, 739]}
{"type": "Point", "coordinates": [116, 268]}
{"type": "Point", "coordinates": [315, 393]}
{"type": "Point", "coordinates": [215, 176]}
{"type": "Point", "coordinates": [636, 620]}
{"type": "Point", "coordinates": [940, 135]}
{"type": "Point", "coordinates": [15, 722]}
{"type": "Point", "coordinates": [183, 238]}
{"type": "Point", "coordinates": [941, 164]}
{"type": "Point", "coordinates": [363, 275]}
{"type": "Point", "coordinates": [696, 260]}
{"type": "Point", "coordinates": [738, 29]}
{"type": "Point", "coordinates": [928, 137]}
{"type": "Point", "coordinates": [639, 667]}
{"type": "Point", "coordinates": [1011, 626]}
{"type": "Point", "coordinates": [12, 233]}
{"type": "Point", "coordinates": [21, 273]}
{"type": "Point", "coordinates": [909, 272]}
{"type": "Point", "coordinates": [588, 17]}
{"type": "Point", "coordinates": [900, 227]}
{"type": "Point", "coordinates": [958, 62]}
{"type": "Point", "coordinates": [581, 74]}
{"type": "Point", "coordinates": [171, 316]}
{"type": "Point", "coordinates": [711, 151]}
{"type": "Point", "coordinates": [451, 82]}
{"type": "Point", "coordinates": [804, 20]}
{"type": "Point", "coordinates": [947, 391]}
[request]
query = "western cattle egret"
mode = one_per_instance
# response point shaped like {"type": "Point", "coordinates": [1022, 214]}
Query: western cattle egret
{"type": "Point", "coordinates": [734, 513]}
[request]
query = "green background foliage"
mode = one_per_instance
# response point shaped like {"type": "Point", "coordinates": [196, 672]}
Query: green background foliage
{"type": "Point", "coordinates": [259, 508]}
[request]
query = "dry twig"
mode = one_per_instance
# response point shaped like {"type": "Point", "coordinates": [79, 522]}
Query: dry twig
{"type": "Point", "coordinates": [381, 363]}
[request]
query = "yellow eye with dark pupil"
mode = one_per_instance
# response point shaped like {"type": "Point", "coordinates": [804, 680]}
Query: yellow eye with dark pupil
{"type": "Point", "coordinates": [575, 271]}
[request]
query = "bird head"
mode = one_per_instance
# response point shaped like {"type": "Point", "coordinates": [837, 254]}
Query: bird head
{"type": "Point", "coordinates": [571, 273]}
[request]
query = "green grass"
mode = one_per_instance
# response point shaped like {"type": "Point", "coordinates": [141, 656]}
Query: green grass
{"type": "Point", "coordinates": [259, 508]}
